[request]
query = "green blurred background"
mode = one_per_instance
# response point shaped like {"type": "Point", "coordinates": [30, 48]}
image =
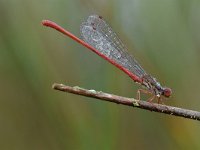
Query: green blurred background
{"type": "Point", "coordinates": [164, 36]}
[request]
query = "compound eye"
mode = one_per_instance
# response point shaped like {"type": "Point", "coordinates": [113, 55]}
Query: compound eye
{"type": "Point", "coordinates": [167, 92]}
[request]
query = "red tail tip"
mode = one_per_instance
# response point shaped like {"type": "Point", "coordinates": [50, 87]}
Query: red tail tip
{"type": "Point", "coordinates": [45, 22]}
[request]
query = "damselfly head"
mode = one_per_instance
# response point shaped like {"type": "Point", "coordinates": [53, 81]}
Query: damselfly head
{"type": "Point", "coordinates": [167, 92]}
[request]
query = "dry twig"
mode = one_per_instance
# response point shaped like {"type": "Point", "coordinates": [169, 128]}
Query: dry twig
{"type": "Point", "coordinates": [190, 114]}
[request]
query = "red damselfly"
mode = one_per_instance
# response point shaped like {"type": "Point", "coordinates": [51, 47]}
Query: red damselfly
{"type": "Point", "coordinates": [99, 37]}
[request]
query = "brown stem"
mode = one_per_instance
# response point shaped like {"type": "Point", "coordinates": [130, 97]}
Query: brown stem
{"type": "Point", "coordinates": [190, 114]}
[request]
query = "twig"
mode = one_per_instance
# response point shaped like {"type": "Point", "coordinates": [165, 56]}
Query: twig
{"type": "Point", "coordinates": [190, 114]}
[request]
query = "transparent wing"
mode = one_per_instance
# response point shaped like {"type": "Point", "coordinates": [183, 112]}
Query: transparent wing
{"type": "Point", "coordinates": [96, 32]}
